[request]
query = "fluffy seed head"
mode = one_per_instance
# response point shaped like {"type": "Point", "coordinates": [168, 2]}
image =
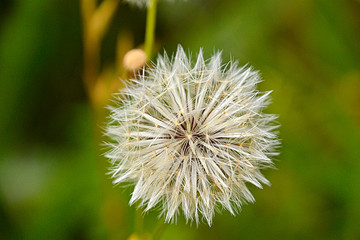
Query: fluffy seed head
{"type": "Point", "coordinates": [190, 136]}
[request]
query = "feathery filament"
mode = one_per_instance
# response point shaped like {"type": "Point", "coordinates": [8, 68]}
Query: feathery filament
{"type": "Point", "coordinates": [189, 137]}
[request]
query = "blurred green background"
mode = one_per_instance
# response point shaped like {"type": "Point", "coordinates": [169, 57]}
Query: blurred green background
{"type": "Point", "coordinates": [308, 52]}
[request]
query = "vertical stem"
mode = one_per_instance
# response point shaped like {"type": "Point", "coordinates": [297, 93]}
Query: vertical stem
{"type": "Point", "coordinates": [91, 63]}
{"type": "Point", "coordinates": [91, 49]}
{"type": "Point", "coordinates": [96, 21]}
{"type": "Point", "coordinates": [87, 9]}
{"type": "Point", "coordinates": [150, 28]}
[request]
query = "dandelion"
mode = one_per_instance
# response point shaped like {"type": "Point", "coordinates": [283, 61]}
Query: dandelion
{"type": "Point", "coordinates": [190, 136]}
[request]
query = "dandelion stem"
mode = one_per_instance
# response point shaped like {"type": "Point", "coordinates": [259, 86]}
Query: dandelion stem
{"type": "Point", "coordinates": [150, 28]}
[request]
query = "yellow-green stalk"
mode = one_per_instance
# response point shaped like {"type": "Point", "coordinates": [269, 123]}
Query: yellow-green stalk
{"type": "Point", "coordinates": [150, 28]}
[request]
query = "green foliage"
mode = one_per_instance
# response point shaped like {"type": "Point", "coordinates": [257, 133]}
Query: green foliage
{"type": "Point", "coordinates": [307, 51]}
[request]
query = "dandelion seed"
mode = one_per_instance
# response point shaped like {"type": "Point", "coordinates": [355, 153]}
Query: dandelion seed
{"type": "Point", "coordinates": [191, 136]}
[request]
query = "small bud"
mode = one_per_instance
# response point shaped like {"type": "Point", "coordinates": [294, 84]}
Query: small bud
{"type": "Point", "coordinates": [134, 59]}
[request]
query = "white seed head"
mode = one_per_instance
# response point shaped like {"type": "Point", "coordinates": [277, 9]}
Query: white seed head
{"type": "Point", "coordinates": [190, 136]}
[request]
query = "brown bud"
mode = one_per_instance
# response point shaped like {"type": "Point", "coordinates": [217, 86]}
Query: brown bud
{"type": "Point", "coordinates": [134, 59]}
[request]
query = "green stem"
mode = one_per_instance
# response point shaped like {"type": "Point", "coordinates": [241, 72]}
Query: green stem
{"type": "Point", "coordinates": [150, 28]}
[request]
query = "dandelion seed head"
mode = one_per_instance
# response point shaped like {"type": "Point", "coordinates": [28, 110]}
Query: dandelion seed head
{"type": "Point", "coordinates": [190, 136]}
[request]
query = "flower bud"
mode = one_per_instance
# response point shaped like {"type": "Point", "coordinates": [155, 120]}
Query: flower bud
{"type": "Point", "coordinates": [134, 59]}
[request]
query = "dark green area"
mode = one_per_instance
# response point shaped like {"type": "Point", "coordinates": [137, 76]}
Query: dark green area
{"type": "Point", "coordinates": [308, 52]}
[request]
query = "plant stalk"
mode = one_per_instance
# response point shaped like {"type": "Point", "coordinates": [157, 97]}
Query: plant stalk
{"type": "Point", "coordinates": [150, 28]}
